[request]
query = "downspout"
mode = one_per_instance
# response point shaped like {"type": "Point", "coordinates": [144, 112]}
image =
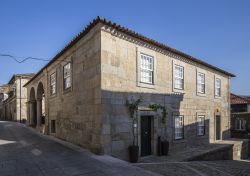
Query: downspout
{"type": "Point", "coordinates": [229, 106]}
{"type": "Point", "coordinates": [20, 96]}
{"type": "Point", "coordinates": [47, 104]}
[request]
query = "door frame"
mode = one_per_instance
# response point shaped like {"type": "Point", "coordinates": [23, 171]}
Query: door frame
{"type": "Point", "coordinates": [215, 127]}
{"type": "Point", "coordinates": [154, 126]}
{"type": "Point", "coordinates": [149, 119]}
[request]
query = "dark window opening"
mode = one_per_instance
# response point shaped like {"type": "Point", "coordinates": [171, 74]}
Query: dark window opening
{"type": "Point", "coordinates": [53, 126]}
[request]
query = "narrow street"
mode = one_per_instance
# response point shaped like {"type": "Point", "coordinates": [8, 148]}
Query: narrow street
{"type": "Point", "coordinates": [25, 153]}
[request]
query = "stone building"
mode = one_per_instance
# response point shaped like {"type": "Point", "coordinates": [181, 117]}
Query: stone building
{"type": "Point", "coordinates": [240, 116]}
{"type": "Point", "coordinates": [14, 107]}
{"type": "Point", "coordinates": [4, 89]}
{"type": "Point", "coordinates": [87, 84]}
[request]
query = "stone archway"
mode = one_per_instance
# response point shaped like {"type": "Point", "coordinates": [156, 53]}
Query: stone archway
{"type": "Point", "coordinates": [32, 108]}
{"type": "Point", "coordinates": [40, 105]}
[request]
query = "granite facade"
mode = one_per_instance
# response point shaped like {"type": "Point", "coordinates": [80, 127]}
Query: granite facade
{"type": "Point", "coordinates": [92, 113]}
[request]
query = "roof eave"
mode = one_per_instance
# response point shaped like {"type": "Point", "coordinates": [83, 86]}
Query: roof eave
{"type": "Point", "coordinates": [129, 32]}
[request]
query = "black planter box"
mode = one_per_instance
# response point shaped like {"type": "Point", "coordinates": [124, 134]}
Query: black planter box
{"type": "Point", "coordinates": [164, 147]}
{"type": "Point", "coordinates": [159, 150]}
{"type": "Point", "coordinates": [133, 153]}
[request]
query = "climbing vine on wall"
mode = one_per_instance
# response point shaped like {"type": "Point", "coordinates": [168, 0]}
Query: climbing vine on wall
{"type": "Point", "coordinates": [155, 107]}
{"type": "Point", "coordinates": [133, 107]}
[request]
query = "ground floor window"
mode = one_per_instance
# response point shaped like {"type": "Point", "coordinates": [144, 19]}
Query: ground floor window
{"type": "Point", "coordinates": [240, 124]}
{"type": "Point", "coordinates": [53, 126]}
{"type": "Point", "coordinates": [178, 127]}
{"type": "Point", "coordinates": [201, 125]}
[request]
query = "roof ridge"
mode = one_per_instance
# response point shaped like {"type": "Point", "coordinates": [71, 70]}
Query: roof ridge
{"type": "Point", "coordinates": [132, 33]}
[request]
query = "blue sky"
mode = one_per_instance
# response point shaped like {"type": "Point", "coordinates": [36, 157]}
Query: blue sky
{"type": "Point", "coordinates": [217, 32]}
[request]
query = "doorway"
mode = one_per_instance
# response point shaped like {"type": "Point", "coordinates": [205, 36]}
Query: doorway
{"type": "Point", "coordinates": [145, 135]}
{"type": "Point", "coordinates": [217, 127]}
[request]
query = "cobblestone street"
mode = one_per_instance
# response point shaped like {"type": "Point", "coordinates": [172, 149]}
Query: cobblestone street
{"type": "Point", "coordinates": [24, 152]}
{"type": "Point", "coordinates": [201, 168]}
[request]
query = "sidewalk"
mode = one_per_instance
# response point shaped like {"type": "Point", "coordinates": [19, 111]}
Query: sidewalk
{"type": "Point", "coordinates": [221, 150]}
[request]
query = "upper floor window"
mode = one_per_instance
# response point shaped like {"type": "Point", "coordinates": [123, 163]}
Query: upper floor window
{"type": "Point", "coordinates": [201, 125]}
{"type": "Point", "coordinates": [240, 124]}
{"type": "Point", "coordinates": [178, 77]}
{"type": "Point", "coordinates": [217, 87]}
{"type": "Point", "coordinates": [53, 83]}
{"type": "Point", "coordinates": [178, 127]}
{"type": "Point", "coordinates": [146, 69]}
{"type": "Point", "coordinates": [201, 83]}
{"type": "Point", "coordinates": [14, 90]}
{"type": "Point", "coordinates": [67, 76]}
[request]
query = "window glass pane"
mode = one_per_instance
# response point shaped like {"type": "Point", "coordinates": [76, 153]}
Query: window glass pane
{"type": "Point", "coordinates": [178, 77]}
{"type": "Point", "coordinates": [240, 124]}
{"type": "Point", "coordinates": [53, 83]}
{"type": "Point", "coordinates": [67, 75]}
{"type": "Point", "coordinates": [178, 72]}
{"type": "Point", "coordinates": [147, 69]}
{"type": "Point", "coordinates": [67, 82]}
{"type": "Point", "coordinates": [201, 83]}
{"type": "Point", "coordinates": [66, 70]}
{"type": "Point", "coordinates": [201, 125]}
{"type": "Point", "coordinates": [217, 87]}
{"type": "Point", "coordinates": [178, 122]}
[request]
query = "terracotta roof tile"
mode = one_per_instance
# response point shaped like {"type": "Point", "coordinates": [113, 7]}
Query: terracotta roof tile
{"type": "Point", "coordinates": [133, 34]}
{"type": "Point", "coordinates": [235, 99]}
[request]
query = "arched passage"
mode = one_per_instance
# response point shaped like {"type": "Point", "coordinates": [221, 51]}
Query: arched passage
{"type": "Point", "coordinates": [32, 108]}
{"type": "Point", "coordinates": [40, 105]}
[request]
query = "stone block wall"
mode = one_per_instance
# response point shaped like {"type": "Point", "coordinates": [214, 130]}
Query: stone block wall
{"type": "Point", "coordinates": [105, 73]}
{"type": "Point", "coordinates": [119, 81]}
{"type": "Point", "coordinates": [21, 100]}
{"type": "Point", "coordinates": [77, 111]}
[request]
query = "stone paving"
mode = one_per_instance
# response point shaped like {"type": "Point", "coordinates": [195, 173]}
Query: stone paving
{"type": "Point", "coordinates": [187, 154]}
{"type": "Point", "coordinates": [200, 168]}
{"type": "Point", "coordinates": [26, 153]}
{"type": "Point", "coordinates": [220, 150]}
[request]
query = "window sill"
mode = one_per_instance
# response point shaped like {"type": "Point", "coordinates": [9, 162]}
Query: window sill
{"type": "Point", "coordinates": [145, 85]}
{"type": "Point", "coordinates": [201, 94]}
{"type": "Point", "coordinates": [217, 97]}
{"type": "Point", "coordinates": [65, 91]}
{"type": "Point", "coordinates": [177, 141]}
{"type": "Point", "coordinates": [53, 95]}
{"type": "Point", "coordinates": [178, 90]}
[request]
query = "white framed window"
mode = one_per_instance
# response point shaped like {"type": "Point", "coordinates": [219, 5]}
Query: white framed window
{"type": "Point", "coordinates": [201, 125]}
{"type": "Point", "coordinates": [240, 124]}
{"type": "Point", "coordinates": [201, 83]}
{"type": "Point", "coordinates": [67, 76]}
{"type": "Point", "coordinates": [146, 69]}
{"type": "Point", "coordinates": [14, 90]}
{"type": "Point", "coordinates": [217, 87]}
{"type": "Point", "coordinates": [178, 127]}
{"type": "Point", "coordinates": [53, 83]}
{"type": "Point", "coordinates": [178, 77]}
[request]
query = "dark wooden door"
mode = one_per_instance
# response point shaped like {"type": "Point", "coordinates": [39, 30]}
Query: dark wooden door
{"type": "Point", "coordinates": [218, 128]}
{"type": "Point", "coordinates": [145, 135]}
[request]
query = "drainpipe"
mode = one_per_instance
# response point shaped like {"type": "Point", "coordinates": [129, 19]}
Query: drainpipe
{"type": "Point", "coordinates": [46, 103]}
{"type": "Point", "coordinates": [20, 100]}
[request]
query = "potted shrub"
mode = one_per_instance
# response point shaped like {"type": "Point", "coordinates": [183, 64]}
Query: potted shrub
{"type": "Point", "coordinates": [164, 147]}
{"type": "Point", "coordinates": [134, 148]}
